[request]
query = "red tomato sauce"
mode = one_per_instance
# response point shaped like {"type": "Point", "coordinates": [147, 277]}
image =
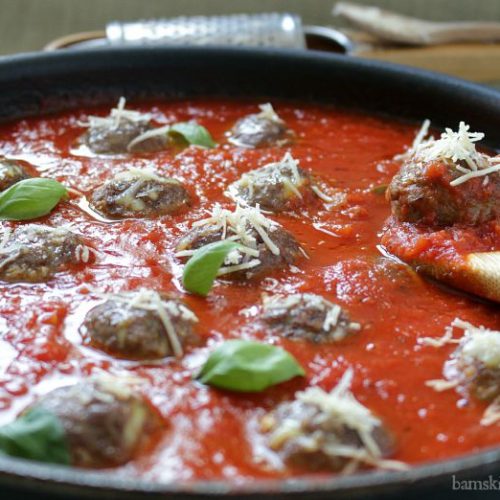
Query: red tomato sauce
{"type": "Point", "coordinates": [212, 434]}
{"type": "Point", "coordinates": [447, 247]}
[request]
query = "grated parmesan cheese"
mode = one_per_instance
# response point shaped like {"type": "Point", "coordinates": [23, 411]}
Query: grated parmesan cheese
{"type": "Point", "coordinates": [483, 345]}
{"type": "Point", "coordinates": [459, 146]}
{"type": "Point", "coordinates": [440, 385]}
{"type": "Point", "coordinates": [341, 405]}
{"type": "Point", "coordinates": [7, 232]}
{"type": "Point", "coordinates": [267, 112]}
{"type": "Point", "coordinates": [447, 338]}
{"type": "Point", "coordinates": [309, 300]}
{"type": "Point", "coordinates": [138, 177]}
{"type": "Point", "coordinates": [144, 174]}
{"type": "Point", "coordinates": [115, 117]}
{"type": "Point", "coordinates": [240, 226]}
{"type": "Point", "coordinates": [492, 413]}
{"type": "Point", "coordinates": [150, 300]}
{"type": "Point", "coordinates": [149, 134]}
{"type": "Point", "coordinates": [337, 409]}
{"type": "Point", "coordinates": [478, 344]}
{"type": "Point", "coordinates": [321, 195]}
{"type": "Point", "coordinates": [285, 172]}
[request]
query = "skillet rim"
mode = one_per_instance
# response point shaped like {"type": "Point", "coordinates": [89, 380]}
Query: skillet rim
{"type": "Point", "coordinates": [25, 67]}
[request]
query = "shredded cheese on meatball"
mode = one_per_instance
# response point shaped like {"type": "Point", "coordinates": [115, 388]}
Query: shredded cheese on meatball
{"type": "Point", "coordinates": [12, 249]}
{"type": "Point", "coordinates": [150, 300]}
{"type": "Point", "coordinates": [459, 146]}
{"type": "Point", "coordinates": [138, 178]}
{"type": "Point", "coordinates": [340, 405]}
{"type": "Point", "coordinates": [285, 171]}
{"type": "Point", "coordinates": [478, 344]}
{"type": "Point", "coordinates": [310, 300]}
{"type": "Point", "coordinates": [115, 117]}
{"type": "Point", "coordinates": [484, 346]}
{"type": "Point", "coordinates": [341, 408]}
{"type": "Point", "coordinates": [7, 232]}
{"type": "Point", "coordinates": [239, 226]}
{"type": "Point", "coordinates": [267, 112]}
{"type": "Point", "coordinates": [149, 134]}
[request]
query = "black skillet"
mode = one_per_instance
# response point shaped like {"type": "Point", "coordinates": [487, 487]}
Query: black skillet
{"type": "Point", "coordinates": [37, 84]}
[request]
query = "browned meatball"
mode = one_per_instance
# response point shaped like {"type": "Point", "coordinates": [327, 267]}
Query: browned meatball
{"type": "Point", "coordinates": [104, 139]}
{"type": "Point", "coordinates": [321, 431]}
{"type": "Point", "coordinates": [421, 192]}
{"type": "Point", "coordinates": [475, 364]}
{"type": "Point", "coordinates": [307, 316]}
{"type": "Point", "coordinates": [35, 253]}
{"type": "Point", "coordinates": [11, 172]}
{"type": "Point", "coordinates": [141, 325]}
{"type": "Point", "coordinates": [259, 130]}
{"type": "Point", "coordinates": [140, 193]}
{"type": "Point", "coordinates": [118, 132]}
{"type": "Point", "coordinates": [258, 257]}
{"type": "Point", "coordinates": [104, 421]}
{"type": "Point", "coordinates": [275, 187]}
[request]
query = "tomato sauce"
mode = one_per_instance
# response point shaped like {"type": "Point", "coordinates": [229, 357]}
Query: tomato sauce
{"type": "Point", "coordinates": [212, 434]}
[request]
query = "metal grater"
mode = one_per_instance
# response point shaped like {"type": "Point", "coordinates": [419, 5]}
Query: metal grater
{"type": "Point", "coordinates": [281, 30]}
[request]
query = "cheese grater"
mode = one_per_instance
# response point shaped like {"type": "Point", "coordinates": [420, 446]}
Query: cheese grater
{"type": "Point", "coordinates": [253, 30]}
{"type": "Point", "coordinates": [273, 29]}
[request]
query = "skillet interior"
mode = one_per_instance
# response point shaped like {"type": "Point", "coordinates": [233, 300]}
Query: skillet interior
{"type": "Point", "coordinates": [37, 84]}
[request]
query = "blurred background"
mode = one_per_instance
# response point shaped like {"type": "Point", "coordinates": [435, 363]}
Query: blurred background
{"type": "Point", "coordinates": [28, 25]}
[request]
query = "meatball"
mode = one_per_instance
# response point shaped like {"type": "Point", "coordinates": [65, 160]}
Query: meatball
{"type": "Point", "coordinates": [475, 364]}
{"type": "Point", "coordinates": [140, 193]}
{"type": "Point", "coordinates": [260, 130]}
{"type": "Point", "coordinates": [322, 431]}
{"type": "Point", "coordinates": [307, 316]}
{"type": "Point", "coordinates": [35, 253]}
{"type": "Point", "coordinates": [11, 172]}
{"type": "Point", "coordinates": [421, 192]}
{"type": "Point", "coordinates": [104, 421]}
{"type": "Point", "coordinates": [140, 325]}
{"type": "Point", "coordinates": [265, 245]}
{"type": "Point", "coordinates": [114, 134]}
{"type": "Point", "coordinates": [275, 187]}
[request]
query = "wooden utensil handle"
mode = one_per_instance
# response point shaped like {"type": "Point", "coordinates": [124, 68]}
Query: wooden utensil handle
{"type": "Point", "coordinates": [476, 62]}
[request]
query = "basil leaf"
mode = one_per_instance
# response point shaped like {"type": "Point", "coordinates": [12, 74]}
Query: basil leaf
{"type": "Point", "coordinates": [201, 269]}
{"type": "Point", "coordinates": [247, 366]}
{"type": "Point", "coordinates": [193, 133]}
{"type": "Point", "coordinates": [30, 198]}
{"type": "Point", "coordinates": [35, 435]}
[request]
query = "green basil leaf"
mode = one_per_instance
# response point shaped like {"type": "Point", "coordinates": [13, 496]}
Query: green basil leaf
{"type": "Point", "coordinates": [30, 198]}
{"type": "Point", "coordinates": [201, 269]}
{"type": "Point", "coordinates": [193, 133]}
{"type": "Point", "coordinates": [36, 435]}
{"type": "Point", "coordinates": [247, 366]}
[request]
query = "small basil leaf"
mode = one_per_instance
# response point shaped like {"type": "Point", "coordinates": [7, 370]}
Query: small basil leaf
{"type": "Point", "coordinates": [30, 198]}
{"type": "Point", "coordinates": [193, 133]}
{"type": "Point", "coordinates": [201, 269]}
{"type": "Point", "coordinates": [247, 366]}
{"type": "Point", "coordinates": [36, 435]}
{"type": "Point", "coordinates": [380, 189]}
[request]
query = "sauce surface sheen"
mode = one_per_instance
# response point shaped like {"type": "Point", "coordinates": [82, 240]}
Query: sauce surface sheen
{"type": "Point", "coordinates": [210, 433]}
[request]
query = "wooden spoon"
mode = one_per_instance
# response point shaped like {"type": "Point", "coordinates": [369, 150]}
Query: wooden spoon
{"type": "Point", "coordinates": [393, 27]}
{"type": "Point", "coordinates": [482, 273]}
{"type": "Point", "coordinates": [479, 274]}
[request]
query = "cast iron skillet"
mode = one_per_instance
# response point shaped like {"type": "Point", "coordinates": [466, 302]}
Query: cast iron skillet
{"type": "Point", "coordinates": [37, 84]}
